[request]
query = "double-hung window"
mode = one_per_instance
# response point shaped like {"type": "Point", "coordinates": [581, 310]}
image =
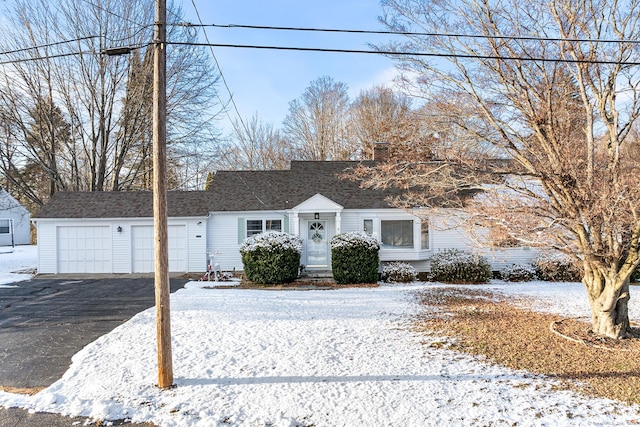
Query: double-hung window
{"type": "Point", "coordinates": [254, 226]}
{"type": "Point", "coordinates": [272, 225]}
{"type": "Point", "coordinates": [5, 226]}
{"type": "Point", "coordinates": [367, 226]}
{"type": "Point", "coordinates": [424, 234]}
{"type": "Point", "coordinates": [257, 226]}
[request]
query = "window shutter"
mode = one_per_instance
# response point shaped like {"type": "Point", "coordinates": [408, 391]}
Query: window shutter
{"type": "Point", "coordinates": [285, 226]}
{"type": "Point", "coordinates": [241, 230]}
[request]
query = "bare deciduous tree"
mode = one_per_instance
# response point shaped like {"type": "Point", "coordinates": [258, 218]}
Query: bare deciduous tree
{"type": "Point", "coordinates": [104, 99]}
{"type": "Point", "coordinates": [256, 145]}
{"type": "Point", "coordinates": [315, 124]}
{"type": "Point", "coordinates": [552, 86]}
{"type": "Point", "coordinates": [381, 115]}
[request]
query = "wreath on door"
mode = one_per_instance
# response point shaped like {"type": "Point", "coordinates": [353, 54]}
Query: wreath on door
{"type": "Point", "coordinates": [316, 236]}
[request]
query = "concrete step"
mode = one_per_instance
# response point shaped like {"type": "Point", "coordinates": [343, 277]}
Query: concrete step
{"type": "Point", "coordinates": [316, 277]}
{"type": "Point", "coordinates": [318, 274]}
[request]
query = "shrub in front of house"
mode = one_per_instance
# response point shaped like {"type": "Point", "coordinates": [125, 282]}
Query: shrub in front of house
{"type": "Point", "coordinates": [518, 273]}
{"type": "Point", "coordinates": [355, 258]}
{"type": "Point", "coordinates": [398, 272]}
{"type": "Point", "coordinates": [556, 268]}
{"type": "Point", "coordinates": [271, 258]}
{"type": "Point", "coordinates": [458, 266]}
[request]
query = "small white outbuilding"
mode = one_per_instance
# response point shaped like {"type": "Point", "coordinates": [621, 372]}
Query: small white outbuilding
{"type": "Point", "coordinates": [15, 221]}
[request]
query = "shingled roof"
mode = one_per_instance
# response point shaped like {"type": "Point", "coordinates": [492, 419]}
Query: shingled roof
{"type": "Point", "coordinates": [230, 191]}
{"type": "Point", "coordinates": [120, 204]}
{"type": "Point", "coordinates": [285, 189]}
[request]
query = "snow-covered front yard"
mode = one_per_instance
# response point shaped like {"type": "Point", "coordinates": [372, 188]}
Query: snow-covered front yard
{"type": "Point", "coordinates": [321, 358]}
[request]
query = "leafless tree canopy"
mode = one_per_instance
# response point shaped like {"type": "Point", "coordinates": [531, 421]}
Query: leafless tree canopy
{"type": "Point", "coordinates": [72, 118]}
{"type": "Point", "coordinates": [380, 114]}
{"type": "Point", "coordinates": [316, 123]}
{"type": "Point", "coordinates": [256, 146]}
{"type": "Point", "coordinates": [540, 86]}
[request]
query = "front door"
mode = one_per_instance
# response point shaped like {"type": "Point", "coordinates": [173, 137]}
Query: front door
{"type": "Point", "coordinates": [317, 244]}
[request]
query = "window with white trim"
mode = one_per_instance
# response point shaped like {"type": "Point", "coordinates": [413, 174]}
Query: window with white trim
{"type": "Point", "coordinates": [367, 226]}
{"type": "Point", "coordinates": [424, 234]}
{"type": "Point", "coordinates": [273, 225]}
{"type": "Point", "coordinates": [257, 226]}
{"type": "Point", "coordinates": [396, 233]}
{"type": "Point", "coordinates": [5, 226]}
{"type": "Point", "coordinates": [254, 226]}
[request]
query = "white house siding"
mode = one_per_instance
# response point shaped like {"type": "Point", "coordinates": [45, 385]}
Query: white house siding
{"type": "Point", "coordinates": [197, 245]}
{"type": "Point", "coordinates": [186, 244]}
{"type": "Point", "coordinates": [121, 245]}
{"type": "Point", "coordinates": [222, 239]}
{"type": "Point", "coordinates": [224, 235]}
{"type": "Point", "coordinates": [350, 221]}
{"type": "Point", "coordinates": [504, 258]}
{"type": "Point", "coordinates": [444, 235]}
{"type": "Point", "coordinates": [354, 221]}
{"type": "Point", "coordinates": [20, 232]}
{"type": "Point", "coordinates": [47, 247]}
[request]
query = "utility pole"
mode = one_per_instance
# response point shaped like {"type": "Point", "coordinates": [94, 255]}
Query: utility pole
{"type": "Point", "coordinates": [161, 240]}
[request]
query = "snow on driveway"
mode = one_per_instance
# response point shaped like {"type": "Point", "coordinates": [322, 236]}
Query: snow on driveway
{"type": "Point", "coordinates": [302, 358]}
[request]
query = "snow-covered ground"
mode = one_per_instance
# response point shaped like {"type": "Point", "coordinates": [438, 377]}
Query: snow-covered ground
{"type": "Point", "coordinates": [321, 358]}
{"type": "Point", "coordinates": [14, 261]}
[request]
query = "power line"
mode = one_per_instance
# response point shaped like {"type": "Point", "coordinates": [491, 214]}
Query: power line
{"type": "Point", "coordinates": [406, 33]}
{"type": "Point", "coordinates": [25, 49]}
{"type": "Point", "coordinates": [97, 6]}
{"type": "Point", "coordinates": [135, 33]}
{"type": "Point", "coordinates": [426, 54]}
{"type": "Point", "coordinates": [224, 80]}
{"type": "Point", "coordinates": [313, 49]}
{"type": "Point", "coordinates": [40, 58]}
{"type": "Point", "coordinates": [79, 39]}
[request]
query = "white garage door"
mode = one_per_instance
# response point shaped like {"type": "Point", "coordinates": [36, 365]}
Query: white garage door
{"type": "Point", "coordinates": [84, 249]}
{"type": "Point", "coordinates": [142, 248]}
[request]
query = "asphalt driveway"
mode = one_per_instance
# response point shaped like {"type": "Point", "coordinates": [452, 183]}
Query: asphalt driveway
{"type": "Point", "coordinates": [44, 322]}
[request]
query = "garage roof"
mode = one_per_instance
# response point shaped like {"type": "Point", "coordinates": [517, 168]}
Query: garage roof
{"type": "Point", "coordinates": [121, 204]}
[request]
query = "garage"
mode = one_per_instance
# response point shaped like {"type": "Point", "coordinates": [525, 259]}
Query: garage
{"type": "Point", "coordinates": [84, 249]}
{"type": "Point", "coordinates": [112, 232]}
{"type": "Point", "coordinates": [142, 248]}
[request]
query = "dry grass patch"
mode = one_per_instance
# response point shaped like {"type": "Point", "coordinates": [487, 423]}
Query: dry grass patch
{"type": "Point", "coordinates": [484, 323]}
{"type": "Point", "coordinates": [22, 390]}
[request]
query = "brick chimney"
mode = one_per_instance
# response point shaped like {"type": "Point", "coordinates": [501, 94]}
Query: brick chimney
{"type": "Point", "coordinates": [381, 151]}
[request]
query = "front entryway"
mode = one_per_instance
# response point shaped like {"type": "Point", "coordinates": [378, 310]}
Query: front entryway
{"type": "Point", "coordinates": [317, 244]}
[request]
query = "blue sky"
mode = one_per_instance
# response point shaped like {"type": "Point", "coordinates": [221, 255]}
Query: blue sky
{"type": "Point", "coordinates": [264, 81]}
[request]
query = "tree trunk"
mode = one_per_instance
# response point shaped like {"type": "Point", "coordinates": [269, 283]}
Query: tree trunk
{"type": "Point", "coordinates": [609, 299]}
